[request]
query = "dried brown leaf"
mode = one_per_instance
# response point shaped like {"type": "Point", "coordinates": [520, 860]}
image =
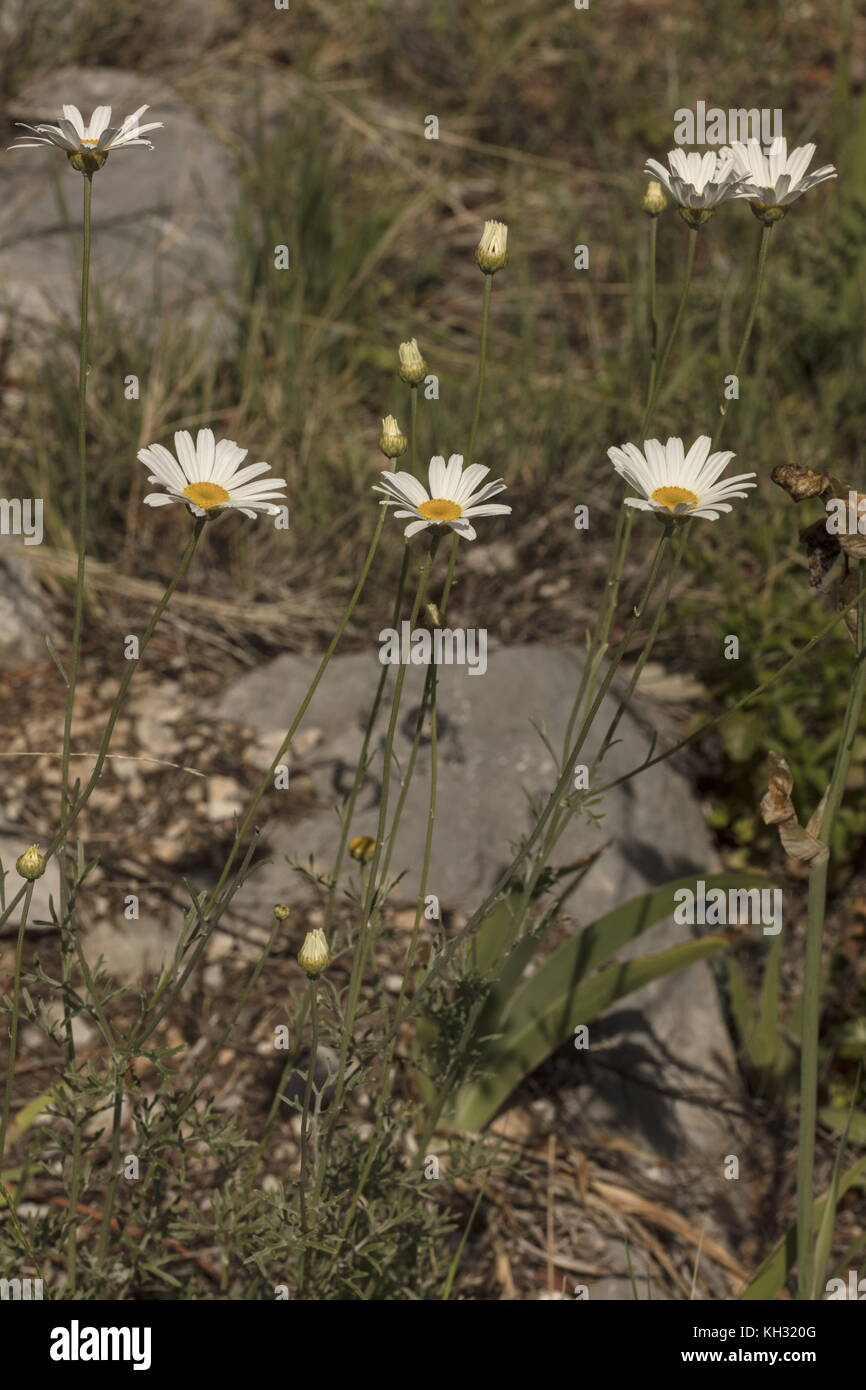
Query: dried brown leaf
{"type": "Point", "coordinates": [777, 808]}
{"type": "Point", "coordinates": [803, 483]}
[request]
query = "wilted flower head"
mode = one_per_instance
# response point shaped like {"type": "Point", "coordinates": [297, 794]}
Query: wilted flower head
{"type": "Point", "coordinates": [392, 440]}
{"type": "Point", "coordinates": [314, 956]}
{"type": "Point", "coordinates": [31, 864]}
{"type": "Point", "coordinates": [450, 500]}
{"type": "Point", "coordinates": [413, 368]}
{"type": "Point", "coordinates": [697, 183]}
{"type": "Point", "coordinates": [207, 476]}
{"type": "Point", "coordinates": [88, 146]}
{"type": "Point", "coordinates": [677, 484]}
{"type": "Point", "coordinates": [491, 252]}
{"type": "Point", "coordinates": [654, 201]}
{"type": "Point", "coordinates": [776, 179]}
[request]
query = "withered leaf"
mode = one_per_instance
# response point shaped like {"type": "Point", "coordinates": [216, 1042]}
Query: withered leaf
{"type": "Point", "coordinates": [776, 804]}
{"type": "Point", "coordinates": [822, 551]}
{"type": "Point", "coordinates": [777, 808]}
{"type": "Point", "coordinates": [803, 483]}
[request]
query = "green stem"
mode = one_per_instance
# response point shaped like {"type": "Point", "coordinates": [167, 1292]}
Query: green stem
{"type": "Point", "coordinates": [370, 898]}
{"type": "Point", "coordinates": [305, 1120]}
{"type": "Point", "coordinates": [482, 365]}
{"type": "Point", "coordinates": [72, 674]}
{"type": "Point", "coordinates": [413, 427]}
{"type": "Point", "coordinates": [812, 979]}
{"type": "Point", "coordinates": [675, 328]}
{"type": "Point", "coordinates": [67, 927]}
{"type": "Point", "coordinates": [363, 757]}
{"type": "Point", "coordinates": [653, 309]}
{"type": "Point", "coordinates": [750, 321]}
{"type": "Point", "coordinates": [644, 654]}
{"type": "Point", "coordinates": [373, 1148]}
{"type": "Point", "coordinates": [601, 631]}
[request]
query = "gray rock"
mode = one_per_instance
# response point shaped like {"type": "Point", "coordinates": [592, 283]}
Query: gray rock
{"type": "Point", "coordinates": [491, 760]}
{"type": "Point", "coordinates": [660, 1064]}
{"type": "Point", "coordinates": [160, 218]}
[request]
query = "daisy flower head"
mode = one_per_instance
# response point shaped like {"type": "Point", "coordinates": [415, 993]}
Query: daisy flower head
{"type": "Point", "coordinates": [87, 146]}
{"type": "Point", "coordinates": [207, 476]}
{"type": "Point", "coordinates": [697, 183]}
{"type": "Point", "coordinates": [676, 484]}
{"type": "Point", "coordinates": [453, 498]}
{"type": "Point", "coordinates": [776, 179]}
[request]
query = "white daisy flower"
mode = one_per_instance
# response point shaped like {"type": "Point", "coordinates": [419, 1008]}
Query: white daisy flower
{"type": "Point", "coordinates": [450, 500]}
{"type": "Point", "coordinates": [776, 178]}
{"type": "Point", "coordinates": [97, 139]}
{"type": "Point", "coordinates": [697, 182]}
{"type": "Point", "coordinates": [678, 484]}
{"type": "Point", "coordinates": [207, 476]}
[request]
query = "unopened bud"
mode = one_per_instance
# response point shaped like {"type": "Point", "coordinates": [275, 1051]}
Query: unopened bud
{"type": "Point", "coordinates": [392, 441]}
{"type": "Point", "coordinates": [654, 201]}
{"type": "Point", "coordinates": [314, 955]}
{"type": "Point", "coordinates": [413, 368]}
{"type": "Point", "coordinates": [282, 911]}
{"type": "Point", "coordinates": [31, 864]}
{"type": "Point", "coordinates": [492, 250]}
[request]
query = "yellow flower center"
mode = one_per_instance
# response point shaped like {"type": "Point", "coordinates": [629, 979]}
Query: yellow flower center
{"type": "Point", "coordinates": [206, 494]}
{"type": "Point", "coordinates": [671, 497]}
{"type": "Point", "coordinates": [440, 509]}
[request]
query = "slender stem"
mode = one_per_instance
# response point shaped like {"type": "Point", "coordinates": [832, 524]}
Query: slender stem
{"type": "Point", "coordinates": [413, 427]}
{"type": "Point", "coordinates": [363, 757]}
{"type": "Point", "coordinates": [66, 947]}
{"type": "Point", "coordinates": [812, 978]}
{"type": "Point", "coordinates": [305, 1120]}
{"type": "Point", "coordinates": [653, 309]}
{"type": "Point", "coordinates": [363, 940]}
{"type": "Point", "coordinates": [675, 328]}
{"type": "Point", "coordinates": [72, 674]}
{"type": "Point", "coordinates": [387, 1065]}
{"type": "Point", "coordinates": [601, 630]}
{"type": "Point", "coordinates": [645, 651]}
{"type": "Point", "coordinates": [482, 365]}
{"type": "Point", "coordinates": [763, 248]}
{"type": "Point", "coordinates": [13, 1027]}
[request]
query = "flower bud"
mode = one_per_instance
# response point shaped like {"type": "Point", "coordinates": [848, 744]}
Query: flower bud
{"type": "Point", "coordinates": [491, 252]}
{"type": "Point", "coordinates": [362, 848]}
{"type": "Point", "coordinates": [31, 864]}
{"type": "Point", "coordinates": [314, 955]}
{"type": "Point", "coordinates": [392, 441]}
{"type": "Point", "coordinates": [413, 368]}
{"type": "Point", "coordinates": [282, 911]}
{"type": "Point", "coordinates": [653, 201]}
